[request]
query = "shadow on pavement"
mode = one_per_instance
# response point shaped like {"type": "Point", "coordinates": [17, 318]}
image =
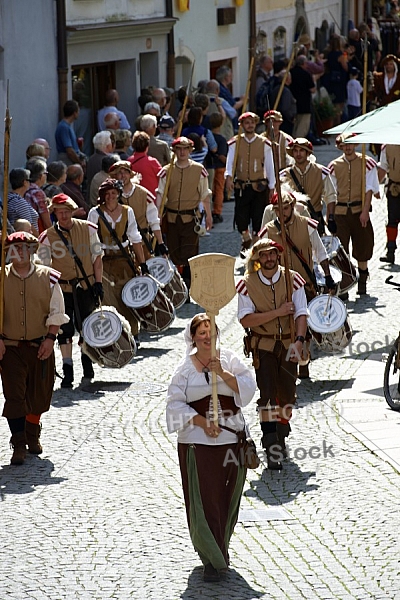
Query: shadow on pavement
{"type": "Point", "coordinates": [276, 488]}
{"type": "Point", "coordinates": [232, 586]}
{"type": "Point", "coordinates": [27, 478]}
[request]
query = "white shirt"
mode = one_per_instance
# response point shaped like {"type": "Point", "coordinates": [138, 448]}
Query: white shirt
{"type": "Point", "coordinates": [247, 307]}
{"type": "Point", "coordinates": [269, 172]}
{"type": "Point", "coordinates": [132, 232]}
{"type": "Point", "coordinates": [354, 90]}
{"type": "Point", "coordinates": [188, 384]}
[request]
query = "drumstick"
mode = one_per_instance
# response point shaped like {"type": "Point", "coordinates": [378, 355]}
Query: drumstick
{"type": "Point", "coordinates": [329, 301]}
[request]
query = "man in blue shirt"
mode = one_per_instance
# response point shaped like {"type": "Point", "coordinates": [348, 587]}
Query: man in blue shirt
{"type": "Point", "coordinates": [67, 144]}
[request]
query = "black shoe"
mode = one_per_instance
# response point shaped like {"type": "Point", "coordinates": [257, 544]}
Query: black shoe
{"type": "Point", "coordinates": [211, 574]}
{"type": "Point", "coordinates": [344, 297]}
{"type": "Point", "coordinates": [388, 258]}
{"type": "Point", "coordinates": [217, 218]}
{"type": "Point", "coordinates": [303, 372]}
{"type": "Point", "coordinates": [68, 378]}
{"type": "Point", "coordinates": [88, 372]}
{"type": "Point", "coordinates": [246, 245]}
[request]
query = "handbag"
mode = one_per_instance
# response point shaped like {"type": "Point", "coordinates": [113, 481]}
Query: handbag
{"type": "Point", "coordinates": [248, 456]}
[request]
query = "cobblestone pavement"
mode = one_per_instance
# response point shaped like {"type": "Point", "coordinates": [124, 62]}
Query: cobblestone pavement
{"type": "Point", "coordinates": [99, 515]}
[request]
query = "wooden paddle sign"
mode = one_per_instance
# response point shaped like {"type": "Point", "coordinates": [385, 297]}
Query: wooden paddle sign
{"type": "Point", "coordinates": [212, 287]}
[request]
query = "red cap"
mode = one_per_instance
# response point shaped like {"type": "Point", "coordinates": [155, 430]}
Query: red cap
{"type": "Point", "coordinates": [182, 142]}
{"type": "Point", "coordinates": [247, 115]}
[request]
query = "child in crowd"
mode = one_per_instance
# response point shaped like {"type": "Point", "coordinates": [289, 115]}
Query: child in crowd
{"type": "Point", "coordinates": [354, 91]}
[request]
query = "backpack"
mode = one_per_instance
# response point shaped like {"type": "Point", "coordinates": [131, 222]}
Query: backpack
{"type": "Point", "coordinates": [263, 96]}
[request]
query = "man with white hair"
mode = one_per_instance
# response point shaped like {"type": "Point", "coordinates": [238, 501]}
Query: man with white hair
{"type": "Point", "coordinates": [102, 143]}
{"type": "Point", "coordinates": [111, 121]}
{"type": "Point", "coordinates": [157, 148]}
{"type": "Point", "coordinates": [43, 142]}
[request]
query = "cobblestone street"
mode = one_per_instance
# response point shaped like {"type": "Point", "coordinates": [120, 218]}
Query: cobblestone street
{"type": "Point", "coordinates": [100, 514]}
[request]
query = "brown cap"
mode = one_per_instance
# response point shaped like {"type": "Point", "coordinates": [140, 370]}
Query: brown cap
{"type": "Point", "coordinates": [273, 114]}
{"type": "Point", "coordinates": [301, 143]}
{"type": "Point", "coordinates": [121, 164]}
{"type": "Point", "coordinates": [263, 246]}
{"type": "Point", "coordinates": [340, 139]}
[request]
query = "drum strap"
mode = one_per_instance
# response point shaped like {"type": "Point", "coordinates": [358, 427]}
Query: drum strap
{"type": "Point", "coordinates": [299, 255]}
{"type": "Point", "coordinates": [313, 213]}
{"type": "Point", "coordinates": [145, 238]}
{"type": "Point", "coordinates": [117, 241]}
{"type": "Point", "coordinates": [82, 270]}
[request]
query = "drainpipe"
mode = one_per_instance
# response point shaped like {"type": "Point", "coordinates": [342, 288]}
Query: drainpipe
{"type": "Point", "coordinates": [345, 17]}
{"type": "Point", "coordinates": [171, 48]}
{"type": "Point", "coordinates": [252, 46]}
{"type": "Point", "coordinates": [62, 56]}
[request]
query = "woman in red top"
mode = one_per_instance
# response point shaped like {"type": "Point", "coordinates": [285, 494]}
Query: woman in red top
{"type": "Point", "coordinates": [147, 166]}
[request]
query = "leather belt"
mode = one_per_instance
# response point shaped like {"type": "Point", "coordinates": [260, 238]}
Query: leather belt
{"type": "Point", "coordinates": [355, 203]}
{"type": "Point", "coordinates": [182, 212]}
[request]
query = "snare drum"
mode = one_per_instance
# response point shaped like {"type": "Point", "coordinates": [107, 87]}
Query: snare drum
{"type": "Point", "coordinates": [329, 323]}
{"type": "Point", "coordinates": [149, 303]}
{"type": "Point", "coordinates": [107, 338]}
{"type": "Point", "coordinates": [336, 275]}
{"type": "Point", "coordinates": [339, 258]}
{"type": "Point", "coordinates": [331, 244]}
{"type": "Point", "coordinates": [172, 283]}
{"type": "Point", "coordinates": [349, 271]}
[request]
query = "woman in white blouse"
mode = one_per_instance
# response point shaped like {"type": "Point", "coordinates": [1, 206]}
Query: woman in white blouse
{"type": "Point", "coordinates": [116, 267]}
{"type": "Point", "coordinates": [212, 477]}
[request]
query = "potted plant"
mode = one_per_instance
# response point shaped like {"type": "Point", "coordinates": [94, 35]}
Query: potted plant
{"type": "Point", "coordinates": [325, 111]}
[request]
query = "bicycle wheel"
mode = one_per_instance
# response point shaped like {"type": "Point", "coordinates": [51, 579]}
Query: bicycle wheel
{"type": "Point", "coordinates": [391, 381]}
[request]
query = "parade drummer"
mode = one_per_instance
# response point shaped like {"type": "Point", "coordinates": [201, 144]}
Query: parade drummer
{"type": "Point", "coordinates": [72, 247]}
{"type": "Point", "coordinates": [310, 178]}
{"type": "Point", "coordinates": [143, 204]}
{"type": "Point", "coordinates": [188, 188]}
{"type": "Point", "coordinates": [253, 181]}
{"type": "Point", "coordinates": [118, 231]}
{"type": "Point", "coordinates": [304, 247]}
{"type": "Point", "coordinates": [27, 343]}
{"type": "Point", "coordinates": [264, 307]}
{"type": "Point", "coordinates": [352, 216]}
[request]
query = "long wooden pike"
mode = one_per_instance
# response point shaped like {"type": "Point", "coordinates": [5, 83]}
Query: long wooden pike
{"type": "Point", "coordinates": [288, 281]}
{"type": "Point", "coordinates": [364, 110]}
{"type": "Point", "coordinates": [6, 159]}
{"type": "Point", "coordinates": [213, 286]}
{"type": "Point", "coordinates": [283, 82]}
{"type": "Point", "coordinates": [244, 108]}
{"type": "Point", "coordinates": [171, 164]}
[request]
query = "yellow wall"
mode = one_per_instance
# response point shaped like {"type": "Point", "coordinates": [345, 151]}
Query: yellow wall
{"type": "Point", "coordinates": [265, 5]}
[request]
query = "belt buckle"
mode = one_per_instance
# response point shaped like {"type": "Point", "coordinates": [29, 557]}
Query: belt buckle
{"type": "Point", "coordinates": [278, 337]}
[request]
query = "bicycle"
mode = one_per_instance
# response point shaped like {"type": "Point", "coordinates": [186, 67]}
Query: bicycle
{"type": "Point", "coordinates": [391, 377]}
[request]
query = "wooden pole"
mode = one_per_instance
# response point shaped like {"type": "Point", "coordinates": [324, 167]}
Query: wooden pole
{"type": "Point", "coordinates": [288, 281]}
{"type": "Point", "coordinates": [283, 82]}
{"type": "Point", "coordinates": [244, 108]}
{"type": "Point", "coordinates": [171, 164]}
{"type": "Point", "coordinates": [364, 110]}
{"type": "Point", "coordinates": [7, 129]}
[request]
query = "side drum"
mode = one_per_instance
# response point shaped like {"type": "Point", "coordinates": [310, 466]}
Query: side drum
{"type": "Point", "coordinates": [149, 304]}
{"type": "Point", "coordinates": [107, 338]}
{"type": "Point", "coordinates": [329, 323]}
{"type": "Point", "coordinates": [167, 274]}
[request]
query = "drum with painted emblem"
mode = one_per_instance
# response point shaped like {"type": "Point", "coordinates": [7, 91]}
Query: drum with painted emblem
{"type": "Point", "coordinates": [107, 338]}
{"type": "Point", "coordinates": [172, 283]}
{"type": "Point", "coordinates": [329, 323]}
{"type": "Point", "coordinates": [149, 303]}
